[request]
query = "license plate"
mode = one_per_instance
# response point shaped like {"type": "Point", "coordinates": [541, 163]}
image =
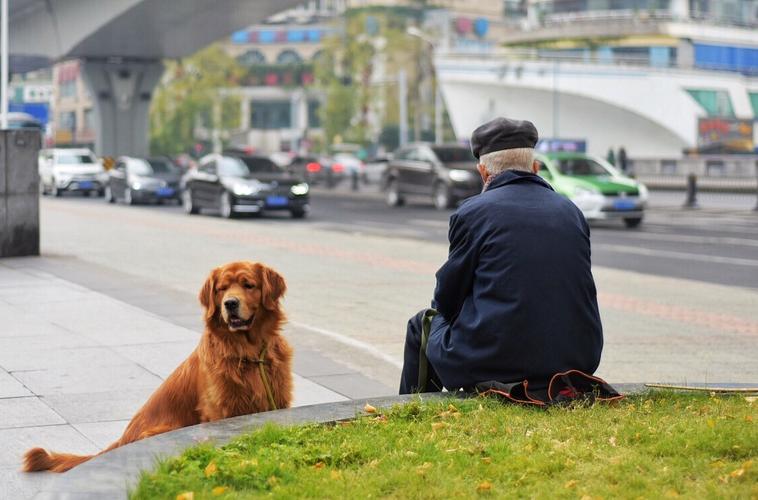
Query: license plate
{"type": "Point", "coordinates": [624, 204]}
{"type": "Point", "coordinates": [165, 191]}
{"type": "Point", "coordinates": [276, 201]}
{"type": "Point", "coordinates": [85, 185]}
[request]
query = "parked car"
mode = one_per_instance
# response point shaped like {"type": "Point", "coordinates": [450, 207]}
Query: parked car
{"type": "Point", "coordinates": [317, 170]}
{"type": "Point", "coordinates": [595, 186]}
{"type": "Point", "coordinates": [235, 183]}
{"type": "Point", "coordinates": [375, 169]}
{"type": "Point", "coordinates": [143, 180]}
{"type": "Point", "coordinates": [62, 170]}
{"type": "Point", "coordinates": [445, 173]}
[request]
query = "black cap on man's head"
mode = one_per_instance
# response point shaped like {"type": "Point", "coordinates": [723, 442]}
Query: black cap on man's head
{"type": "Point", "coordinates": [502, 133]}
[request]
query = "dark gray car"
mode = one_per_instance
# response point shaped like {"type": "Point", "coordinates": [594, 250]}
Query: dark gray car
{"type": "Point", "coordinates": [143, 180]}
{"type": "Point", "coordinates": [446, 174]}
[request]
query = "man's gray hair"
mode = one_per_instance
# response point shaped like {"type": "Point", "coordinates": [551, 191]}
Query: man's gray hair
{"type": "Point", "coordinates": [508, 159]}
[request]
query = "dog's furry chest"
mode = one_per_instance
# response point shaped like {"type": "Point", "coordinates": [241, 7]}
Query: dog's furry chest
{"type": "Point", "coordinates": [237, 388]}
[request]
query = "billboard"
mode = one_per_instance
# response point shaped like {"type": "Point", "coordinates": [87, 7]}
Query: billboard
{"type": "Point", "coordinates": [725, 135]}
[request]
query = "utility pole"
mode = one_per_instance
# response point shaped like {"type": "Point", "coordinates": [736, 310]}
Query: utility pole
{"type": "Point", "coordinates": [4, 65]}
{"type": "Point", "coordinates": [438, 113]}
{"type": "Point", "coordinates": [402, 91]}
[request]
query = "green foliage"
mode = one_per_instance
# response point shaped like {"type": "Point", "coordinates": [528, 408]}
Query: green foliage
{"type": "Point", "coordinates": [186, 97]}
{"type": "Point", "coordinates": [648, 446]}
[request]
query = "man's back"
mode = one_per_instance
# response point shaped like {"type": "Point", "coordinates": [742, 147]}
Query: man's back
{"type": "Point", "coordinates": [516, 297]}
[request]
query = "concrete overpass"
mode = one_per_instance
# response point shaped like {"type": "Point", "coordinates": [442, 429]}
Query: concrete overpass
{"type": "Point", "coordinates": [122, 44]}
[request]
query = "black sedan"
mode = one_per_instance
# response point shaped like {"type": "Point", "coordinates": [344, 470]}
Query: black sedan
{"type": "Point", "coordinates": [143, 180]}
{"type": "Point", "coordinates": [235, 184]}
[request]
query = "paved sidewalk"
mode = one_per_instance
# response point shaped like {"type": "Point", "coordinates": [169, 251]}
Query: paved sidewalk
{"type": "Point", "coordinates": [77, 362]}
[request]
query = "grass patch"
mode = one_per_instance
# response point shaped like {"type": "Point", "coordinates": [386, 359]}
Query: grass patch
{"type": "Point", "coordinates": [654, 445]}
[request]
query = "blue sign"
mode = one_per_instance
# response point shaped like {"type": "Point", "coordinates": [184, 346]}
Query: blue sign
{"type": "Point", "coordinates": [481, 26]}
{"type": "Point", "coordinates": [39, 110]}
{"type": "Point", "coordinates": [568, 145]}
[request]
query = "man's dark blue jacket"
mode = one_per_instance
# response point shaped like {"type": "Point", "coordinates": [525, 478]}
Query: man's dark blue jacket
{"type": "Point", "coordinates": [516, 296]}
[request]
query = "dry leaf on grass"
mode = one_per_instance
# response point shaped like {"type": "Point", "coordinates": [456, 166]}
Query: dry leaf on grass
{"type": "Point", "coordinates": [438, 425]}
{"type": "Point", "coordinates": [319, 465]}
{"type": "Point", "coordinates": [612, 441]}
{"type": "Point", "coordinates": [570, 484]}
{"type": "Point", "coordinates": [421, 469]}
{"type": "Point", "coordinates": [369, 409]}
{"type": "Point", "coordinates": [484, 486]}
{"type": "Point", "coordinates": [219, 490]}
{"type": "Point", "coordinates": [187, 495]}
{"type": "Point", "coordinates": [210, 469]}
{"type": "Point", "coordinates": [487, 460]}
{"type": "Point", "coordinates": [335, 474]}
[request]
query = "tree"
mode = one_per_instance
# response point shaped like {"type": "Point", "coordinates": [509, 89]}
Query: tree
{"type": "Point", "coordinates": [186, 96]}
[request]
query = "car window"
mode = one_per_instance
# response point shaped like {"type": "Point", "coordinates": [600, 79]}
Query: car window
{"type": "Point", "coordinates": [208, 168]}
{"type": "Point", "coordinates": [412, 155]}
{"type": "Point", "coordinates": [259, 165]}
{"type": "Point", "coordinates": [451, 154]}
{"type": "Point", "coordinates": [66, 158]}
{"type": "Point", "coordinates": [425, 155]}
{"type": "Point", "coordinates": [401, 154]}
{"type": "Point", "coordinates": [581, 166]}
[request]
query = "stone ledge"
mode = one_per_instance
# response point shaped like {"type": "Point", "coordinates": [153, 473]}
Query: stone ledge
{"type": "Point", "coordinates": [112, 474]}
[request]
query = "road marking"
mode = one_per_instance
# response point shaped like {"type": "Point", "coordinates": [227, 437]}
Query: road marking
{"type": "Point", "coordinates": [676, 255]}
{"type": "Point", "coordinates": [710, 240]}
{"type": "Point", "coordinates": [344, 339]}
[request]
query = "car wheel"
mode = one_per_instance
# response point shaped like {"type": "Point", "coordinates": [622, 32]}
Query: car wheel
{"type": "Point", "coordinates": [109, 195]}
{"type": "Point", "coordinates": [55, 191]}
{"type": "Point", "coordinates": [394, 198]}
{"type": "Point", "coordinates": [633, 222]}
{"type": "Point", "coordinates": [226, 207]}
{"type": "Point", "coordinates": [189, 203]}
{"type": "Point", "coordinates": [442, 197]}
{"type": "Point", "coordinates": [298, 213]}
{"type": "Point", "coordinates": [128, 197]}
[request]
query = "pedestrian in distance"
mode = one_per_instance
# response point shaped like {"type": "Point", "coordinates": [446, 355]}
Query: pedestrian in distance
{"type": "Point", "coordinates": [623, 161]}
{"type": "Point", "coordinates": [516, 299]}
{"type": "Point", "coordinates": [610, 157]}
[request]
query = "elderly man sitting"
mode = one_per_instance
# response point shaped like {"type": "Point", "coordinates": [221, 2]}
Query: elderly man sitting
{"type": "Point", "coordinates": [516, 299]}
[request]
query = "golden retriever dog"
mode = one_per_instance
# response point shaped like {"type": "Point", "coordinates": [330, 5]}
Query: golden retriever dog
{"type": "Point", "coordinates": [242, 364]}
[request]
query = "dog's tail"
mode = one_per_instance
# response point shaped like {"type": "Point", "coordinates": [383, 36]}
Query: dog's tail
{"type": "Point", "coordinates": [38, 459]}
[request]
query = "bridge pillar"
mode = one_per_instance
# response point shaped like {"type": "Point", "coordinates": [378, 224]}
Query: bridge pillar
{"type": "Point", "coordinates": [121, 91]}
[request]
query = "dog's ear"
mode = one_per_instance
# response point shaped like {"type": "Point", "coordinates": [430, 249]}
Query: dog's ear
{"type": "Point", "coordinates": [272, 287]}
{"type": "Point", "coordinates": [207, 294]}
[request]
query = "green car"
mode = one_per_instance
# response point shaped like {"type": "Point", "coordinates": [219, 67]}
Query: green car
{"type": "Point", "coordinates": [599, 190]}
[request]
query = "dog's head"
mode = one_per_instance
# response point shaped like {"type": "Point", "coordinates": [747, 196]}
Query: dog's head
{"type": "Point", "coordinates": [236, 294]}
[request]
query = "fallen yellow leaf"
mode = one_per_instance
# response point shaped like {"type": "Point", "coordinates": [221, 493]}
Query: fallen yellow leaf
{"type": "Point", "coordinates": [452, 408]}
{"type": "Point", "coordinates": [319, 465]}
{"type": "Point", "coordinates": [373, 463]}
{"type": "Point", "coordinates": [751, 399]}
{"type": "Point", "coordinates": [749, 418]}
{"type": "Point", "coordinates": [747, 464]}
{"type": "Point", "coordinates": [484, 486]}
{"type": "Point", "coordinates": [187, 495]}
{"type": "Point", "coordinates": [438, 425]}
{"type": "Point", "coordinates": [219, 490]}
{"type": "Point", "coordinates": [737, 472]}
{"type": "Point", "coordinates": [672, 494]}
{"type": "Point", "coordinates": [335, 474]}
{"type": "Point", "coordinates": [410, 453]}
{"type": "Point", "coordinates": [369, 409]}
{"type": "Point", "coordinates": [711, 423]}
{"type": "Point", "coordinates": [211, 469]}
{"type": "Point", "coordinates": [421, 469]}
{"type": "Point", "coordinates": [570, 484]}
{"type": "Point", "coordinates": [612, 441]}
{"type": "Point", "coordinates": [487, 460]}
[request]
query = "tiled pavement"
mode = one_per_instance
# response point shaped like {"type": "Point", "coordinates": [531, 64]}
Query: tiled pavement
{"type": "Point", "coordinates": [81, 351]}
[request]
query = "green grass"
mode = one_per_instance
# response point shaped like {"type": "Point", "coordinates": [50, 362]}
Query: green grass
{"type": "Point", "coordinates": [651, 446]}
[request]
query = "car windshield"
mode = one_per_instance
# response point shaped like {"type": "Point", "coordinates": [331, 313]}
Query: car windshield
{"type": "Point", "coordinates": [454, 155]}
{"type": "Point", "coordinates": [151, 167]}
{"type": "Point", "coordinates": [581, 166]}
{"type": "Point", "coordinates": [258, 165]}
{"type": "Point", "coordinates": [74, 158]}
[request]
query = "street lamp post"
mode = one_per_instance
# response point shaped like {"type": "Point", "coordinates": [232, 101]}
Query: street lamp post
{"type": "Point", "coordinates": [414, 31]}
{"type": "Point", "coordinates": [4, 65]}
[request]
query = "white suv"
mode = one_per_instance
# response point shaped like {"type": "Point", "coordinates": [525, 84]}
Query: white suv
{"type": "Point", "coordinates": [70, 170]}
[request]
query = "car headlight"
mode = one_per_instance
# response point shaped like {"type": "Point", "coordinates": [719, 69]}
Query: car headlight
{"type": "Point", "coordinates": [246, 189]}
{"type": "Point", "coordinates": [138, 183]}
{"type": "Point", "coordinates": [460, 175]}
{"type": "Point", "coordinates": [299, 189]}
{"type": "Point", "coordinates": [643, 192]}
{"type": "Point", "coordinates": [584, 191]}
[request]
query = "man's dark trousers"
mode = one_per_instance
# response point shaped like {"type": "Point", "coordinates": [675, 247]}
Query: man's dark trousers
{"type": "Point", "coordinates": [409, 382]}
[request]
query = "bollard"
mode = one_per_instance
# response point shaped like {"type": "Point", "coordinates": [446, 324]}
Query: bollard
{"type": "Point", "coordinates": [691, 201]}
{"type": "Point", "coordinates": [354, 180]}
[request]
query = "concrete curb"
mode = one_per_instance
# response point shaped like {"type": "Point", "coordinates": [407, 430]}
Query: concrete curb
{"type": "Point", "coordinates": [112, 474]}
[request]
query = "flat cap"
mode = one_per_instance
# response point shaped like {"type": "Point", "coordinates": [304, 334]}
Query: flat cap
{"type": "Point", "coordinates": [502, 133]}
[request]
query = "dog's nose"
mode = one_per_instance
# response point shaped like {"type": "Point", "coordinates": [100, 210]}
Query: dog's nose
{"type": "Point", "coordinates": [232, 304]}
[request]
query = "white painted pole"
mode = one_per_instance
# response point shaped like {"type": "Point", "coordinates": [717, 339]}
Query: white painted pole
{"type": "Point", "coordinates": [402, 92]}
{"type": "Point", "coordinates": [4, 65]}
{"type": "Point", "coordinates": [438, 113]}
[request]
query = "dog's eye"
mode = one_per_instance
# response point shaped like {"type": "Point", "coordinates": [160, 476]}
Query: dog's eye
{"type": "Point", "coordinates": [249, 286]}
{"type": "Point", "coordinates": [222, 288]}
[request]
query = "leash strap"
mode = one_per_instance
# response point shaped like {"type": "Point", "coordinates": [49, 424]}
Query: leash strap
{"type": "Point", "coordinates": [423, 362]}
{"type": "Point", "coordinates": [264, 377]}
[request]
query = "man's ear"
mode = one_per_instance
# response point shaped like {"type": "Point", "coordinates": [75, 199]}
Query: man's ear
{"type": "Point", "coordinates": [272, 287]}
{"type": "Point", "coordinates": [535, 166]}
{"type": "Point", "coordinates": [483, 172]}
{"type": "Point", "coordinates": [207, 294]}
